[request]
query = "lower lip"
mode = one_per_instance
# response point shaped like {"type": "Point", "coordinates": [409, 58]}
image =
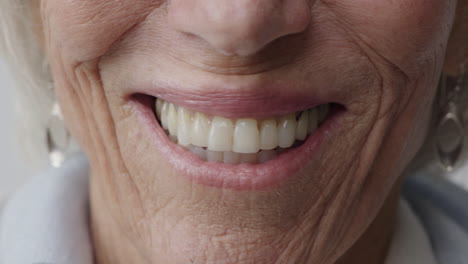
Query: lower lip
{"type": "Point", "coordinates": [241, 176]}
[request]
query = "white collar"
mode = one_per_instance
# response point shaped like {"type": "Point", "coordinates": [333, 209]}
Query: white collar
{"type": "Point", "coordinates": [47, 222]}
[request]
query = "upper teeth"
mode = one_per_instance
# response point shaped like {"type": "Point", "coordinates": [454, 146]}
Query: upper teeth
{"type": "Point", "coordinates": [243, 135]}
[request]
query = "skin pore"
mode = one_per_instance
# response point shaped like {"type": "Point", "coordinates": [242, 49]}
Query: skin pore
{"type": "Point", "coordinates": [381, 58]}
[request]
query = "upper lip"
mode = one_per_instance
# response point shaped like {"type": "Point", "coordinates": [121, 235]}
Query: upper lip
{"type": "Point", "coordinates": [236, 101]}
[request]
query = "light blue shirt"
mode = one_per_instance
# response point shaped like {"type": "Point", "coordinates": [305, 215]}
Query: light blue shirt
{"type": "Point", "coordinates": [442, 208]}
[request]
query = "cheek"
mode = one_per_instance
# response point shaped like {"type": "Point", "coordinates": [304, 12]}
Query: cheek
{"type": "Point", "coordinates": [86, 29]}
{"type": "Point", "coordinates": [407, 33]}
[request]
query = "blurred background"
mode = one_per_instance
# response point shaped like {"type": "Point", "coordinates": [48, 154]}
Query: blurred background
{"type": "Point", "coordinates": [14, 169]}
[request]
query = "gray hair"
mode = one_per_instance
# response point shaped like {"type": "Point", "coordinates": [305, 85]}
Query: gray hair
{"type": "Point", "coordinates": [34, 96]}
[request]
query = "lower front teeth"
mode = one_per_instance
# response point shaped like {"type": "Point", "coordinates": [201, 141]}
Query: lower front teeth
{"type": "Point", "coordinates": [244, 140]}
{"type": "Point", "coordinates": [233, 157]}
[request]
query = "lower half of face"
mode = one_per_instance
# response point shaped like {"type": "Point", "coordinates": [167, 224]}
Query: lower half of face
{"type": "Point", "coordinates": [306, 137]}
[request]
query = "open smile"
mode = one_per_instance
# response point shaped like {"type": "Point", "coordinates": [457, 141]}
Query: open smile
{"type": "Point", "coordinates": [241, 140]}
{"type": "Point", "coordinates": [236, 152]}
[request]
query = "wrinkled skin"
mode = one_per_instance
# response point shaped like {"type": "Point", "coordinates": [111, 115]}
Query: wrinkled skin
{"type": "Point", "coordinates": [383, 58]}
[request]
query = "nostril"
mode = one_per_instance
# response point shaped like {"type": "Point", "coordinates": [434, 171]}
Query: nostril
{"type": "Point", "coordinates": [241, 27]}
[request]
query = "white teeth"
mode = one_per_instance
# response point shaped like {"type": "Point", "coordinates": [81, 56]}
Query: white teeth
{"type": "Point", "coordinates": [231, 157]}
{"type": "Point", "coordinates": [184, 125]}
{"type": "Point", "coordinates": [286, 131]}
{"type": "Point", "coordinates": [268, 135]}
{"type": "Point", "coordinates": [159, 104]}
{"type": "Point", "coordinates": [248, 158]}
{"type": "Point", "coordinates": [199, 152]}
{"type": "Point", "coordinates": [172, 120]}
{"type": "Point", "coordinates": [246, 136]}
{"type": "Point", "coordinates": [200, 130]}
{"type": "Point", "coordinates": [215, 156]}
{"type": "Point", "coordinates": [266, 155]}
{"type": "Point", "coordinates": [302, 126]}
{"type": "Point", "coordinates": [221, 134]}
{"type": "Point", "coordinates": [244, 140]}
{"type": "Point", "coordinates": [164, 111]}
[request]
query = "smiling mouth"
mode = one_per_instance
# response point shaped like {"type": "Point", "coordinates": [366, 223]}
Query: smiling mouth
{"type": "Point", "coordinates": [246, 140]}
{"type": "Point", "coordinates": [222, 145]}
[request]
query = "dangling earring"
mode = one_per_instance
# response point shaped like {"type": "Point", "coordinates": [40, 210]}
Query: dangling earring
{"type": "Point", "coordinates": [57, 137]}
{"type": "Point", "coordinates": [450, 128]}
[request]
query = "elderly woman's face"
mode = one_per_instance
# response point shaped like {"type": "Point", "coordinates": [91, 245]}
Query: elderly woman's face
{"type": "Point", "coordinates": [238, 76]}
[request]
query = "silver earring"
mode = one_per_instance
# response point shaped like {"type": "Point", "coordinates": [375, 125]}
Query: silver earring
{"type": "Point", "coordinates": [450, 127]}
{"type": "Point", "coordinates": [57, 137]}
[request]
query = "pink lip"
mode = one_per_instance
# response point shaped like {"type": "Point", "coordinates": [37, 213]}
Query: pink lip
{"type": "Point", "coordinates": [238, 177]}
{"type": "Point", "coordinates": [261, 99]}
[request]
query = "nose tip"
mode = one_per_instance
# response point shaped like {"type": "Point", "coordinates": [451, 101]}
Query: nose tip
{"type": "Point", "coordinates": [239, 27]}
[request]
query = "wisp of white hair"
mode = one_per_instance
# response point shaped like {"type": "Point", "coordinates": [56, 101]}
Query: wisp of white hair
{"type": "Point", "coordinates": [20, 49]}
